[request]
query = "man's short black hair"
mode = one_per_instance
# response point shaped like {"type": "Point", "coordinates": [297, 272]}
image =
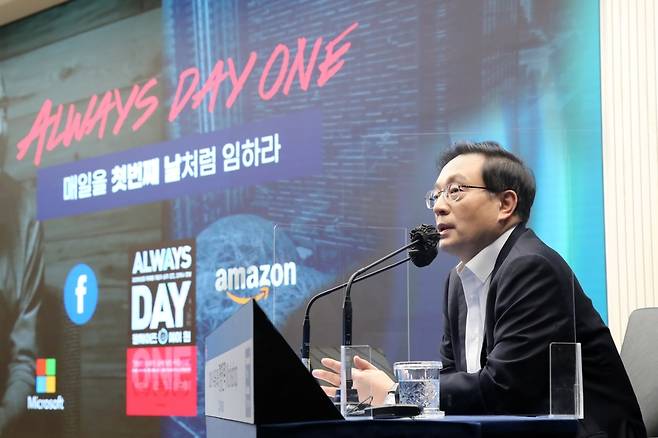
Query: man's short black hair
{"type": "Point", "coordinates": [502, 171]}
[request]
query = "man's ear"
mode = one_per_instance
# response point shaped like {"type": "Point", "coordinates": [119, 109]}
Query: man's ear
{"type": "Point", "coordinates": [508, 203]}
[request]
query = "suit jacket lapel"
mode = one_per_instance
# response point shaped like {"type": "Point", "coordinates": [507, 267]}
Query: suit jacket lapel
{"type": "Point", "coordinates": [518, 231]}
{"type": "Point", "coordinates": [461, 303]}
{"type": "Point", "coordinates": [491, 296]}
{"type": "Point", "coordinates": [457, 305]}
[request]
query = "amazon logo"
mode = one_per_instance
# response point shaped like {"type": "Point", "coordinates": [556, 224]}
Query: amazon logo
{"type": "Point", "coordinates": [244, 283]}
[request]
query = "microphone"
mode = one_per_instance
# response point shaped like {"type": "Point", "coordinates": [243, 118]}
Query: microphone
{"type": "Point", "coordinates": [421, 253]}
{"type": "Point", "coordinates": [306, 329]}
{"type": "Point", "coordinates": [424, 239]}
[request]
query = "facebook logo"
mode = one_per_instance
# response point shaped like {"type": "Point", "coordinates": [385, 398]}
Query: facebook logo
{"type": "Point", "coordinates": [80, 294]}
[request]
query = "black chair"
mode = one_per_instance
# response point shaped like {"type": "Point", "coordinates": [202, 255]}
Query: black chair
{"type": "Point", "coordinates": [639, 353]}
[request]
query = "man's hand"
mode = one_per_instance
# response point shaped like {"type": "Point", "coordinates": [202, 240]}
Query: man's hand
{"type": "Point", "coordinates": [332, 377]}
{"type": "Point", "coordinates": [366, 378]}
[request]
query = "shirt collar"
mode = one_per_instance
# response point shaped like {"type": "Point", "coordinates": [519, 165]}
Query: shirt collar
{"type": "Point", "coordinates": [483, 263]}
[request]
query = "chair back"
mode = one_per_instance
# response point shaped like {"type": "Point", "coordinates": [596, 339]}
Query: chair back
{"type": "Point", "coordinates": [639, 352]}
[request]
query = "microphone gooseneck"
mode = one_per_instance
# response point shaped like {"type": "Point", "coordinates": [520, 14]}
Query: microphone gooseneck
{"type": "Point", "coordinates": [422, 250]}
{"type": "Point", "coordinates": [306, 329]}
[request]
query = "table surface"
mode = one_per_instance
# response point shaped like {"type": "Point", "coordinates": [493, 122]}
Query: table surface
{"type": "Point", "coordinates": [449, 426]}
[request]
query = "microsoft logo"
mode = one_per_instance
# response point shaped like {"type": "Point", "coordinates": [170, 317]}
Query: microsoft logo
{"type": "Point", "coordinates": [46, 379]}
{"type": "Point", "coordinates": [46, 383]}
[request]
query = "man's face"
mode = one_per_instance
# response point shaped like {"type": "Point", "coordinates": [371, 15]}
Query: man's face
{"type": "Point", "coordinates": [468, 225]}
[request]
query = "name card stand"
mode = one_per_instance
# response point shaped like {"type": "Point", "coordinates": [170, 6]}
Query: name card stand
{"type": "Point", "coordinates": [253, 378]}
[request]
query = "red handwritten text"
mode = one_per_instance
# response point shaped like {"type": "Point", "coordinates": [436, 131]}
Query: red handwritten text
{"type": "Point", "coordinates": [46, 133]}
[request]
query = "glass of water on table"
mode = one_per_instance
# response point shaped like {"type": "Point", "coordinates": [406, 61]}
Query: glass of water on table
{"type": "Point", "coordinates": [419, 385]}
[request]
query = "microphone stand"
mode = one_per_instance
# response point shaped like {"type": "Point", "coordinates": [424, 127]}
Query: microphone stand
{"type": "Point", "coordinates": [306, 329]}
{"type": "Point", "coordinates": [347, 309]}
{"type": "Point", "coordinates": [347, 302]}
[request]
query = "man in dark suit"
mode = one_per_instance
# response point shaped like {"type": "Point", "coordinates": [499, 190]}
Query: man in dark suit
{"type": "Point", "coordinates": [507, 300]}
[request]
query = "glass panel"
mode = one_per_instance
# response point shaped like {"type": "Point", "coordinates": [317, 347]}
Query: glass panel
{"type": "Point", "coordinates": [566, 380]}
{"type": "Point", "coordinates": [308, 260]}
{"type": "Point", "coordinates": [353, 398]}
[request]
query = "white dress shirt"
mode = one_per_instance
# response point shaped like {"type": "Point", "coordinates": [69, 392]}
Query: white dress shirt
{"type": "Point", "coordinates": [476, 276]}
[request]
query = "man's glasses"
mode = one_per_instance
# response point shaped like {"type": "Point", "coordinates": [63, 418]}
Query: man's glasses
{"type": "Point", "coordinates": [453, 192]}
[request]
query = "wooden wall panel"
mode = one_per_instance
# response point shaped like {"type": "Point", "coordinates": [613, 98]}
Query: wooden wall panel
{"type": "Point", "coordinates": [113, 56]}
{"type": "Point", "coordinates": [65, 21]}
{"type": "Point", "coordinates": [629, 64]}
{"type": "Point", "coordinates": [67, 54]}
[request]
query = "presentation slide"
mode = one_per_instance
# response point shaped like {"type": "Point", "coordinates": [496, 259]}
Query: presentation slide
{"type": "Point", "coordinates": [161, 169]}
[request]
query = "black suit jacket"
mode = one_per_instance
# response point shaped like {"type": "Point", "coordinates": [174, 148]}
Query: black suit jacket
{"type": "Point", "coordinates": [533, 296]}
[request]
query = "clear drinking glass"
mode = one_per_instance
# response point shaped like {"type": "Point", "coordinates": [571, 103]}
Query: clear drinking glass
{"type": "Point", "coordinates": [419, 385]}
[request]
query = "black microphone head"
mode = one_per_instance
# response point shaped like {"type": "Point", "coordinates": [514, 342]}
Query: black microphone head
{"type": "Point", "coordinates": [424, 251]}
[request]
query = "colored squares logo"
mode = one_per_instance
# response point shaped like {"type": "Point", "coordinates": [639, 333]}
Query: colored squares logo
{"type": "Point", "coordinates": [46, 376]}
